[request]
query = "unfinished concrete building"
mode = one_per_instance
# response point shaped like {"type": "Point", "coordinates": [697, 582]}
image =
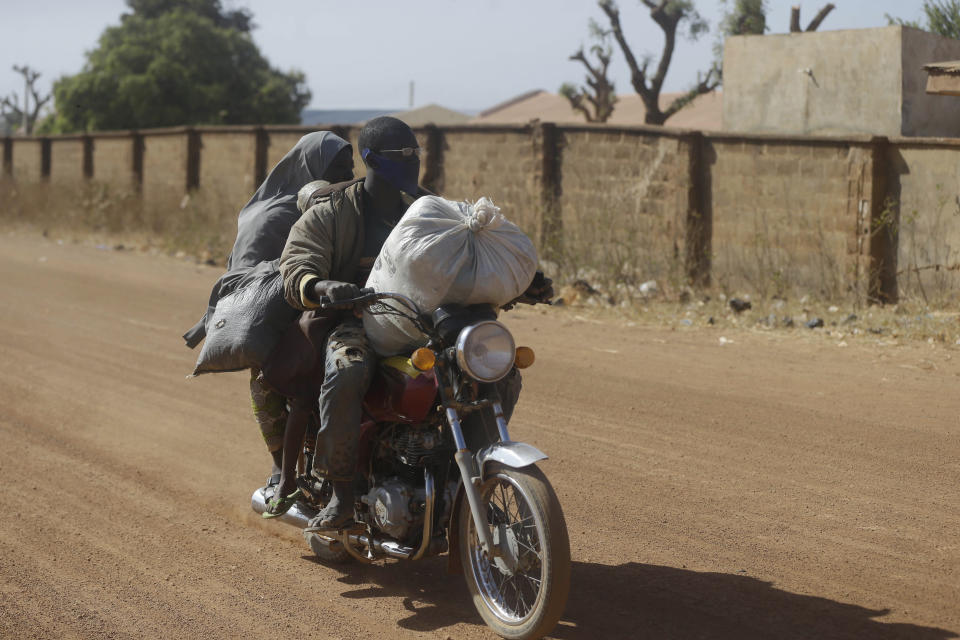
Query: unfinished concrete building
{"type": "Point", "coordinates": [862, 81]}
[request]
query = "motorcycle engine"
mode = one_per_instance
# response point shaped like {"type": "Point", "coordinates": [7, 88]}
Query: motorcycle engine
{"type": "Point", "coordinates": [413, 445]}
{"type": "Point", "coordinates": [395, 507]}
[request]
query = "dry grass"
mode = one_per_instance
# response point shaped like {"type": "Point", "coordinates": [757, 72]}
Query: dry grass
{"type": "Point", "coordinates": [609, 253]}
{"type": "Point", "coordinates": [844, 323]}
{"type": "Point", "coordinates": [929, 268]}
{"type": "Point", "coordinates": [197, 225]}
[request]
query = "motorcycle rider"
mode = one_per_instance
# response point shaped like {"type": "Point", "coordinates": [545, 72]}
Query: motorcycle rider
{"type": "Point", "coordinates": [329, 253]}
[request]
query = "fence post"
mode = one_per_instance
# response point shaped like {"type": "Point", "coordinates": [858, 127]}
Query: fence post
{"type": "Point", "coordinates": [88, 157]}
{"type": "Point", "coordinates": [8, 156]}
{"type": "Point", "coordinates": [884, 225]}
{"type": "Point", "coordinates": [136, 157]}
{"type": "Point", "coordinates": [45, 156]}
{"type": "Point", "coordinates": [433, 163]}
{"type": "Point", "coordinates": [261, 145]}
{"type": "Point", "coordinates": [193, 159]}
{"type": "Point", "coordinates": [699, 222]}
{"type": "Point", "coordinates": [546, 141]}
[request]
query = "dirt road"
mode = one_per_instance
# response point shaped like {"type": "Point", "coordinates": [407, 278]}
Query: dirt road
{"type": "Point", "coordinates": [773, 486]}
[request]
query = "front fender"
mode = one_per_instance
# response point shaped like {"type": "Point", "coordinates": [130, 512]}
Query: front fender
{"type": "Point", "coordinates": [511, 454]}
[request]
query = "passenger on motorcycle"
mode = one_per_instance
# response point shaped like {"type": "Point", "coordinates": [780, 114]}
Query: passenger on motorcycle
{"type": "Point", "coordinates": [263, 225]}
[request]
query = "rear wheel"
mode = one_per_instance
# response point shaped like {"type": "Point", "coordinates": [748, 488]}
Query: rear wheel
{"type": "Point", "coordinates": [327, 549]}
{"type": "Point", "coordinates": [521, 591]}
{"type": "Point", "coordinates": [332, 553]}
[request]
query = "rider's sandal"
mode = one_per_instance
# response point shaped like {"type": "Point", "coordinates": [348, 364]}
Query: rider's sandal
{"type": "Point", "coordinates": [324, 522]}
{"type": "Point", "coordinates": [281, 504]}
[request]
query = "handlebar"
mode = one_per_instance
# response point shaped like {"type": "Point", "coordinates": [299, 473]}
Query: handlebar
{"type": "Point", "coordinates": [366, 298]}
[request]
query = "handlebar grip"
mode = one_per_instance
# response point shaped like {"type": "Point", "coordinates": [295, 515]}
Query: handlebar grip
{"type": "Point", "coordinates": [326, 303]}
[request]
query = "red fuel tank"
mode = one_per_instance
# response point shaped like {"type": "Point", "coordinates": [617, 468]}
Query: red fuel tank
{"type": "Point", "coordinates": [400, 392]}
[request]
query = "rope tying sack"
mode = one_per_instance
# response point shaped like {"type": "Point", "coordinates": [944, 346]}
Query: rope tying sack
{"type": "Point", "coordinates": [483, 214]}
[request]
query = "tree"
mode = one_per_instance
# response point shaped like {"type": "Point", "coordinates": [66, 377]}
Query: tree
{"type": "Point", "coordinates": [177, 62]}
{"type": "Point", "coordinates": [746, 17]}
{"type": "Point", "coordinates": [942, 16]}
{"type": "Point", "coordinates": [669, 16]}
{"type": "Point", "coordinates": [814, 24]}
{"type": "Point", "coordinates": [597, 99]}
{"type": "Point", "coordinates": [10, 109]}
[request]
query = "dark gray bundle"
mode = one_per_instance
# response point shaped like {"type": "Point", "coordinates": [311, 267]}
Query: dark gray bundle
{"type": "Point", "coordinates": [247, 323]}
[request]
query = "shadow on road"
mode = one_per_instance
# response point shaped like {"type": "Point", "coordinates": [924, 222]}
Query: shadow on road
{"type": "Point", "coordinates": [638, 600]}
{"type": "Point", "coordinates": [635, 600]}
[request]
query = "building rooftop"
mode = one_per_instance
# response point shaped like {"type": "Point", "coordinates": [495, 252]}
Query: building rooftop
{"type": "Point", "coordinates": [703, 113]}
{"type": "Point", "coordinates": [431, 114]}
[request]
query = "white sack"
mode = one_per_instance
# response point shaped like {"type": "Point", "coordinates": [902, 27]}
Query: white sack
{"type": "Point", "coordinates": [446, 252]}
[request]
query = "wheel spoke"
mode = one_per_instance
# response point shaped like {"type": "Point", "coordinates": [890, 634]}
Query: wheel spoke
{"type": "Point", "coordinates": [529, 548]}
{"type": "Point", "coordinates": [514, 592]}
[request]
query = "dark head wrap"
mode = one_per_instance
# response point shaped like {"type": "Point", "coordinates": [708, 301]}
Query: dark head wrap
{"type": "Point", "coordinates": [265, 221]}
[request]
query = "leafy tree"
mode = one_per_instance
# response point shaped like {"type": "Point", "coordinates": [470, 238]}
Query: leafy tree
{"type": "Point", "coordinates": [942, 17]}
{"type": "Point", "coordinates": [745, 17]}
{"type": "Point", "coordinates": [596, 100]}
{"type": "Point", "coordinates": [669, 15]}
{"type": "Point", "coordinates": [176, 62]}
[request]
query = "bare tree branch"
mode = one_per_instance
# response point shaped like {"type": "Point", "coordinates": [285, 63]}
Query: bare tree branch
{"type": "Point", "coordinates": [668, 23]}
{"type": "Point", "coordinates": [668, 16]}
{"type": "Point", "coordinates": [820, 16]}
{"type": "Point", "coordinates": [601, 97]}
{"type": "Point", "coordinates": [637, 76]}
{"type": "Point", "coordinates": [795, 19]}
{"type": "Point", "coordinates": [29, 118]}
{"type": "Point", "coordinates": [814, 24]}
{"type": "Point", "coordinates": [704, 85]}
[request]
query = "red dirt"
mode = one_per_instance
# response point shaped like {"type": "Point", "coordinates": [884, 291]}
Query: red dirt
{"type": "Point", "coordinates": [774, 486]}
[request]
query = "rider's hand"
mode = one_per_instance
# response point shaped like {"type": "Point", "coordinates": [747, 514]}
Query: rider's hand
{"type": "Point", "coordinates": [336, 291]}
{"type": "Point", "coordinates": [540, 291]}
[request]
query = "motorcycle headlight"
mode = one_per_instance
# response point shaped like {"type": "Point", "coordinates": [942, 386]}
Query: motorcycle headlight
{"type": "Point", "coordinates": [485, 351]}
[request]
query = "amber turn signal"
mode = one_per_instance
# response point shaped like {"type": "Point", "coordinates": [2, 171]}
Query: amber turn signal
{"type": "Point", "coordinates": [524, 357]}
{"type": "Point", "coordinates": [423, 359]}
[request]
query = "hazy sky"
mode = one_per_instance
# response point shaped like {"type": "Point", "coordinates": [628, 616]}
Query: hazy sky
{"type": "Point", "coordinates": [463, 54]}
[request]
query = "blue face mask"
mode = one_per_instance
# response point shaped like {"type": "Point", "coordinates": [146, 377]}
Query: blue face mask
{"type": "Point", "coordinates": [401, 175]}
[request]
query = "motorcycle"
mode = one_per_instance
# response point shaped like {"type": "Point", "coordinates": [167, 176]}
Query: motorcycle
{"type": "Point", "coordinates": [441, 474]}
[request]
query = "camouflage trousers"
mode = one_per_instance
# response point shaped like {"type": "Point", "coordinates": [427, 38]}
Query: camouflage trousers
{"type": "Point", "coordinates": [270, 410]}
{"type": "Point", "coordinates": [348, 368]}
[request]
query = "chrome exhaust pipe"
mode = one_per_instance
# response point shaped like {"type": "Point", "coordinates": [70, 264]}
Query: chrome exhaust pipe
{"type": "Point", "coordinates": [299, 515]}
{"type": "Point", "coordinates": [386, 547]}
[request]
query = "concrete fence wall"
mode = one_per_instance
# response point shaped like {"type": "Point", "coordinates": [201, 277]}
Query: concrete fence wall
{"type": "Point", "coordinates": [767, 214]}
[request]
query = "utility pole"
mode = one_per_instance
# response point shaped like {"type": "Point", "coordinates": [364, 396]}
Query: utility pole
{"type": "Point", "coordinates": [411, 94]}
{"type": "Point", "coordinates": [26, 96]}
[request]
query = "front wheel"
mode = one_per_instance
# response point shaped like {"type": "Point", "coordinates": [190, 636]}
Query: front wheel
{"type": "Point", "coordinates": [522, 591]}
